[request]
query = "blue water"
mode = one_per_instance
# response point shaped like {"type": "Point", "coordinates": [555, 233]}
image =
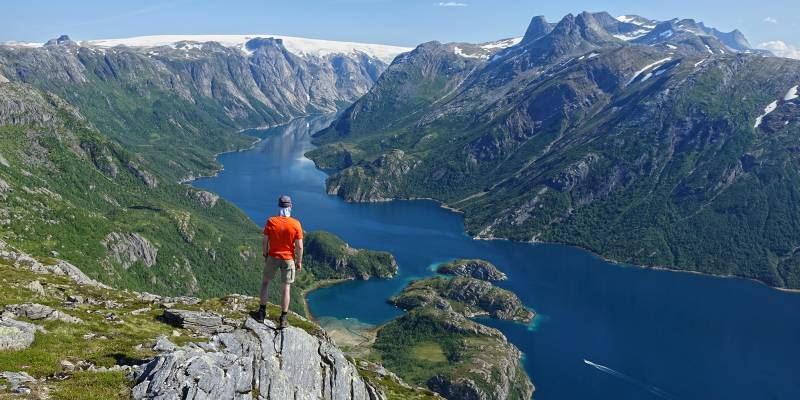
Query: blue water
{"type": "Point", "coordinates": [604, 331]}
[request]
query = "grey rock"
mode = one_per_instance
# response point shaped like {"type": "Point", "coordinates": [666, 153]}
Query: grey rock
{"type": "Point", "coordinates": [163, 344]}
{"type": "Point", "coordinates": [206, 323]}
{"type": "Point", "coordinates": [35, 312]}
{"type": "Point", "coordinates": [130, 248]}
{"type": "Point", "coordinates": [156, 299]}
{"type": "Point", "coordinates": [36, 287]}
{"type": "Point", "coordinates": [66, 365]}
{"type": "Point", "coordinates": [255, 361]}
{"type": "Point", "coordinates": [16, 335]}
{"type": "Point", "coordinates": [20, 382]}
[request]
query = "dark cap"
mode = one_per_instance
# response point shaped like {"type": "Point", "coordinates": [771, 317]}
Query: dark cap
{"type": "Point", "coordinates": [284, 201]}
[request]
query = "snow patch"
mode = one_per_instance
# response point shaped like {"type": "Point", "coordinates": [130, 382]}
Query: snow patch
{"type": "Point", "coordinates": [502, 44]}
{"type": "Point", "coordinates": [302, 47]}
{"type": "Point", "coordinates": [647, 67]}
{"type": "Point", "coordinates": [3, 79]}
{"type": "Point", "coordinates": [791, 94]}
{"type": "Point", "coordinates": [697, 64]}
{"type": "Point", "coordinates": [672, 46]}
{"type": "Point", "coordinates": [667, 33]}
{"type": "Point", "coordinates": [709, 49]}
{"type": "Point", "coordinates": [632, 35]}
{"type": "Point", "coordinates": [768, 109]}
{"type": "Point", "coordinates": [457, 50]}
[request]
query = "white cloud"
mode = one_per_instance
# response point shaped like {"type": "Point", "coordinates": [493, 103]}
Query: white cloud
{"type": "Point", "coordinates": [451, 4]}
{"type": "Point", "coordinates": [770, 20]}
{"type": "Point", "coordinates": [781, 49]}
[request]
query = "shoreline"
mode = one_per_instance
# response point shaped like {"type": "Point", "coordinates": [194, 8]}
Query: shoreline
{"type": "Point", "coordinates": [189, 180]}
{"type": "Point", "coordinates": [318, 285]}
{"type": "Point", "coordinates": [586, 249]}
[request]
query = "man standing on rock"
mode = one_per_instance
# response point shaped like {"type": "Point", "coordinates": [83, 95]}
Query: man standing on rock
{"type": "Point", "coordinates": [283, 254]}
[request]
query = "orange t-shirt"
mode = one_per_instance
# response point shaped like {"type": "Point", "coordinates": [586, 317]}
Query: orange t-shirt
{"type": "Point", "coordinates": [282, 232]}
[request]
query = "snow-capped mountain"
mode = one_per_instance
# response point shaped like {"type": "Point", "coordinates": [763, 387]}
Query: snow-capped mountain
{"type": "Point", "coordinates": [302, 47]}
{"type": "Point", "coordinates": [265, 79]}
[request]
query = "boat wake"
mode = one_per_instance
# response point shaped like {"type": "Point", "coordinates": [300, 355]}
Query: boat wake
{"type": "Point", "coordinates": [650, 388]}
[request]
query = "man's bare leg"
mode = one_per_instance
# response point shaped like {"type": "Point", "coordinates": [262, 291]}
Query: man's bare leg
{"type": "Point", "coordinates": [264, 291]}
{"type": "Point", "coordinates": [262, 309]}
{"type": "Point", "coordinates": [287, 290]}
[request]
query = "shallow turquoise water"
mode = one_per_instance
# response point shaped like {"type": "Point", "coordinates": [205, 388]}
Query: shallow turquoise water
{"type": "Point", "coordinates": [604, 331]}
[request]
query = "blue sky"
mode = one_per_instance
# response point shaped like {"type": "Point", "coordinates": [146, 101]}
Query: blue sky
{"type": "Point", "coordinates": [400, 22]}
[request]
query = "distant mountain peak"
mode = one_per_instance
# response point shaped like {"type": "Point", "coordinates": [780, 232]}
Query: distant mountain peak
{"type": "Point", "coordinates": [537, 28]}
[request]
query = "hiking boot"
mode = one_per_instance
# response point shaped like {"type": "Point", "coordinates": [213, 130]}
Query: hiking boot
{"type": "Point", "coordinates": [283, 323]}
{"type": "Point", "coordinates": [260, 315]}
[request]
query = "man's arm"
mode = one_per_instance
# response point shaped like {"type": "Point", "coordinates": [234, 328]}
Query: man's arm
{"type": "Point", "coordinates": [265, 246]}
{"type": "Point", "coordinates": [298, 253]}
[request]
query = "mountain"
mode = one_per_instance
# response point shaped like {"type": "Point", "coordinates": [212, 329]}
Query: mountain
{"type": "Point", "coordinates": [661, 143]}
{"type": "Point", "coordinates": [180, 99]}
{"type": "Point", "coordinates": [95, 136]}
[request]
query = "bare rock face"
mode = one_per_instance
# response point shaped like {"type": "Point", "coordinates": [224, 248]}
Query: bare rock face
{"type": "Point", "coordinates": [207, 199]}
{"type": "Point", "coordinates": [146, 177]}
{"type": "Point", "coordinates": [16, 335]}
{"type": "Point", "coordinates": [254, 362]}
{"type": "Point", "coordinates": [129, 248]}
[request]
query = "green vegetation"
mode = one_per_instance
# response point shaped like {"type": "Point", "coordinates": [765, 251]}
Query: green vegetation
{"type": "Point", "coordinates": [125, 339]}
{"type": "Point", "coordinates": [93, 386]}
{"type": "Point", "coordinates": [667, 172]}
{"type": "Point", "coordinates": [329, 257]}
{"type": "Point", "coordinates": [428, 343]}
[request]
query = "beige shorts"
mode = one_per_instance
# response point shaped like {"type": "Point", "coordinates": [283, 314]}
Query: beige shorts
{"type": "Point", "coordinates": [273, 266]}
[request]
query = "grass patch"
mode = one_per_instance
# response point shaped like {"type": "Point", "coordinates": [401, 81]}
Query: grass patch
{"type": "Point", "coordinates": [93, 386]}
{"type": "Point", "coordinates": [430, 352]}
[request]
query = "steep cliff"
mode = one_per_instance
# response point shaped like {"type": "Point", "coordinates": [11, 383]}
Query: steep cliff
{"type": "Point", "coordinates": [129, 345]}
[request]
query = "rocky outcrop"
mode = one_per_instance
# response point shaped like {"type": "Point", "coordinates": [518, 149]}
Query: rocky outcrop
{"type": "Point", "coordinates": [146, 177]}
{"type": "Point", "coordinates": [474, 268]}
{"type": "Point", "coordinates": [61, 267]}
{"type": "Point", "coordinates": [254, 362]}
{"type": "Point", "coordinates": [475, 297]}
{"type": "Point", "coordinates": [204, 323]}
{"type": "Point", "coordinates": [5, 188]}
{"type": "Point", "coordinates": [207, 199]}
{"type": "Point", "coordinates": [165, 300]}
{"type": "Point", "coordinates": [16, 335]}
{"type": "Point", "coordinates": [35, 312]}
{"type": "Point", "coordinates": [130, 248]}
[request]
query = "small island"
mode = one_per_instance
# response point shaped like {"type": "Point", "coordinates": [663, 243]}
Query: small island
{"type": "Point", "coordinates": [436, 344]}
{"type": "Point", "coordinates": [468, 296]}
{"type": "Point", "coordinates": [475, 268]}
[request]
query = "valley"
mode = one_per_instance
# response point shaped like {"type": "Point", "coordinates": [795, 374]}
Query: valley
{"type": "Point", "coordinates": [133, 181]}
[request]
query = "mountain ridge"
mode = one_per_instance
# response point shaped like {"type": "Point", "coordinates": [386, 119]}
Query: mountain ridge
{"type": "Point", "coordinates": [553, 130]}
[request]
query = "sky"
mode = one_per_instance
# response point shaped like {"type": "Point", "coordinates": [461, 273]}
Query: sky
{"type": "Point", "coordinates": [773, 24]}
